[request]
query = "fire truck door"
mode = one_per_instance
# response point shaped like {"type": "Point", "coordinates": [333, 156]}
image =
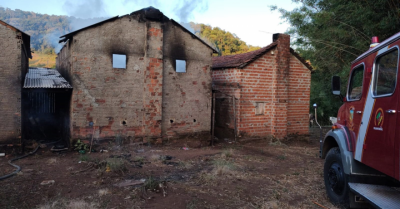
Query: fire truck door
{"type": "Point", "coordinates": [355, 102]}
{"type": "Point", "coordinates": [375, 141]}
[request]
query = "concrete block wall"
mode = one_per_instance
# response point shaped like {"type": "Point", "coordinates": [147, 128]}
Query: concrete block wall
{"type": "Point", "coordinates": [12, 63]}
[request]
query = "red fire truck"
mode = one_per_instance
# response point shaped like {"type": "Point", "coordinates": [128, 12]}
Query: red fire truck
{"type": "Point", "coordinates": [362, 151]}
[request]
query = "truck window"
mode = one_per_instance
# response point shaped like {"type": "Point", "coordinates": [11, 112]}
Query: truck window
{"type": "Point", "coordinates": [385, 74]}
{"type": "Point", "coordinates": [356, 83]}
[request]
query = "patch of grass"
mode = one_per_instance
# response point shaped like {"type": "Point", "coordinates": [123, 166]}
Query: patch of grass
{"type": "Point", "coordinates": [69, 204]}
{"type": "Point", "coordinates": [116, 164]}
{"type": "Point", "coordinates": [192, 204]}
{"type": "Point", "coordinates": [227, 153]}
{"type": "Point", "coordinates": [83, 157]}
{"type": "Point", "coordinates": [151, 184]}
{"type": "Point", "coordinates": [281, 157]}
{"type": "Point", "coordinates": [222, 167]}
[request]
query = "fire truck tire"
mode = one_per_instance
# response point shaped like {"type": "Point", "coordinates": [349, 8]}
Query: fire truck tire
{"type": "Point", "coordinates": [336, 181]}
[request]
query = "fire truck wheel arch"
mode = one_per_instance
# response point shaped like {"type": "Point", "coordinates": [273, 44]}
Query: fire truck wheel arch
{"type": "Point", "coordinates": [337, 139]}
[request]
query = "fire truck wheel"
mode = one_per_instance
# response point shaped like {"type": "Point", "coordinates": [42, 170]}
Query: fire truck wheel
{"type": "Point", "coordinates": [336, 181]}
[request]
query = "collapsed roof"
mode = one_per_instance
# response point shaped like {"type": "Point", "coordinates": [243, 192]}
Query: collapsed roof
{"type": "Point", "coordinates": [149, 13]}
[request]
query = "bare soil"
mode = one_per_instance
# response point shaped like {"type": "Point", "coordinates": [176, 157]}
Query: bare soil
{"type": "Point", "coordinates": [250, 173]}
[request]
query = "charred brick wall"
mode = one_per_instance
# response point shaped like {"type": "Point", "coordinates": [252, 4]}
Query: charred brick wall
{"type": "Point", "coordinates": [112, 98]}
{"type": "Point", "coordinates": [186, 96]}
{"type": "Point", "coordinates": [141, 100]}
{"type": "Point", "coordinates": [14, 62]}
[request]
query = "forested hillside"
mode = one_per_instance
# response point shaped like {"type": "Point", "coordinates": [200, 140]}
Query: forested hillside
{"type": "Point", "coordinates": [43, 29]}
{"type": "Point", "coordinates": [46, 29]}
{"type": "Point", "coordinates": [225, 42]}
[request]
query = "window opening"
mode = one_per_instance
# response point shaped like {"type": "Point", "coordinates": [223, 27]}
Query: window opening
{"type": "Point", "coordinates": [356, 83]}
{"type": "Point", "coordinates": [385, 74]}
{"type": "Point", "coordinates": [260, 108]}
{"type": "Point", "coordinates": [119, 61]}
{"type": "Point", "coordinates": [180, 66]}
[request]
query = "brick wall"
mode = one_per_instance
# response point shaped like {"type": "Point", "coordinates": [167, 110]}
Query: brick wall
{"type": "Point", "coordinates": [257, 81]}
{"type": "Point", "coordinates": [13, 64]}
{"type": "Point", "coordinates": [138, 101]}
{"type": "Point", "coordinates": [299, 97]}
{"type": "Point", "coordinates": [276, 82]}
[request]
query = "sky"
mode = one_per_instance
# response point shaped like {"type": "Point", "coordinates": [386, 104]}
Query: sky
{"type": "Point", "coordinates": [251, 20]}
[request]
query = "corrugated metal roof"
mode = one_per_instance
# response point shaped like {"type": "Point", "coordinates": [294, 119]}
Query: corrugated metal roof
{"type": "Point", "coordinates": [45, 79]}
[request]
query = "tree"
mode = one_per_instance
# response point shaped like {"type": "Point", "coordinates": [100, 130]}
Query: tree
{"type": "Point", "coordinates": [332, 33]}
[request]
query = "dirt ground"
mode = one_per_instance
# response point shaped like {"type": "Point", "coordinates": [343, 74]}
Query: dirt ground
{"type": "Point", "coordinates": [250, 173]}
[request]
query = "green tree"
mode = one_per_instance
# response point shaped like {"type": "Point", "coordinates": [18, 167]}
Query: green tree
{"type": "Point", "coordinates": [332, 33]}
{"type": "Point", "coordinates": [226, 43]}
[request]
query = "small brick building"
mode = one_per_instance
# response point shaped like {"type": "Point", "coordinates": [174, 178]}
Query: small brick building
{"type": "Point", "coordinates": [138, 75]}
{"type": "Point", "coordinates": [14, 60]}
{"type": "Point", "coordinates": [271, 91]}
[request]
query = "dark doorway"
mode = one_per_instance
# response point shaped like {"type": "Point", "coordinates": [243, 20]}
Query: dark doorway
{"type": "Point", "coordinates": [45, 115]}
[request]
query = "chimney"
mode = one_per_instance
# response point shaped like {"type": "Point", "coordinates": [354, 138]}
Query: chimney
{"type": "Point", "coordinates": [281, 85]}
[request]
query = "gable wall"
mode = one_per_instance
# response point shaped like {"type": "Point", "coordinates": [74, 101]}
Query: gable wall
{"type": "Point", "coordinates": [13, 64]}
{"type": "Point", "coordinates": [146, 95]}
{"type": "Point", "coordinates": [186, 96]}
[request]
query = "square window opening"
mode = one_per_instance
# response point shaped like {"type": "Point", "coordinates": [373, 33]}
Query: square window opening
{"type": "Point", "coordinates": [119, 61]}
{"type": "Point", "coordinates": [180, 66]}
{"type": "Point", "coordinates": [260, 108]}
{"type": "Point", "coordinates": [385, 74]}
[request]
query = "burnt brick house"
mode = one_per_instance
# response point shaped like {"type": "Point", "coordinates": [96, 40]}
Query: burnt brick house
{"type": "Point", "coordinates": [263, 92]}
{"type": "Point", "coordinates": [14, 61]}
{"type": "Point", "coordinates": [140, 75]}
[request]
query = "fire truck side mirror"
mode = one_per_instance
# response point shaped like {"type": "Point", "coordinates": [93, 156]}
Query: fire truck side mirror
{"type": "Point", "coordinates": [336, 85]}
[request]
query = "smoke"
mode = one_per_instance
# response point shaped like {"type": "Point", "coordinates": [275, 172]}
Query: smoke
{"type": "Point", "coordinates": [86, 9]}
{"type": "Point", "coordinates": [181, 10]}
{"type": "Point", "coordinates": [89, 12]}
{"type": "Point", "coordinates": [185, 10]}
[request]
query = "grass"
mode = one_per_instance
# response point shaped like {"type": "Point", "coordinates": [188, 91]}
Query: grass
{"type": "Point", "coordinates": [151, 184]}
{"type": "Point", "coordinates": [116, 164]}
{"type": "Point", "coordinates": [281, 157]}
{"type": "Point", "coordinates": [222, 167]}
{"type": "Point", "coordinates": [83, 158]}
{"type": "Point", "coordinates": [227, 153]}
{"type": "Point", "coordinates": [43, 60]}
{"type": "Point", "coordinates": [69, 204]}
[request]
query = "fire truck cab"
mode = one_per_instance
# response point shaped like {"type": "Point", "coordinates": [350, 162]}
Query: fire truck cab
{"type": "Point", "coordinates": [362, 151]}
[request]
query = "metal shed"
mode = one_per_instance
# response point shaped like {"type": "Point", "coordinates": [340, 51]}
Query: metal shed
{"type": "Point", "coordinates": [46, 98]}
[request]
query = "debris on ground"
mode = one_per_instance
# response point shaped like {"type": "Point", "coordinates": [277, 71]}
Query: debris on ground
{"type": "Point", "coordinates": [130, 183]}
{"type": "Point", "coordinates": [47, 182]}
{"type": "Point", "coordinates": [185, 148]}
